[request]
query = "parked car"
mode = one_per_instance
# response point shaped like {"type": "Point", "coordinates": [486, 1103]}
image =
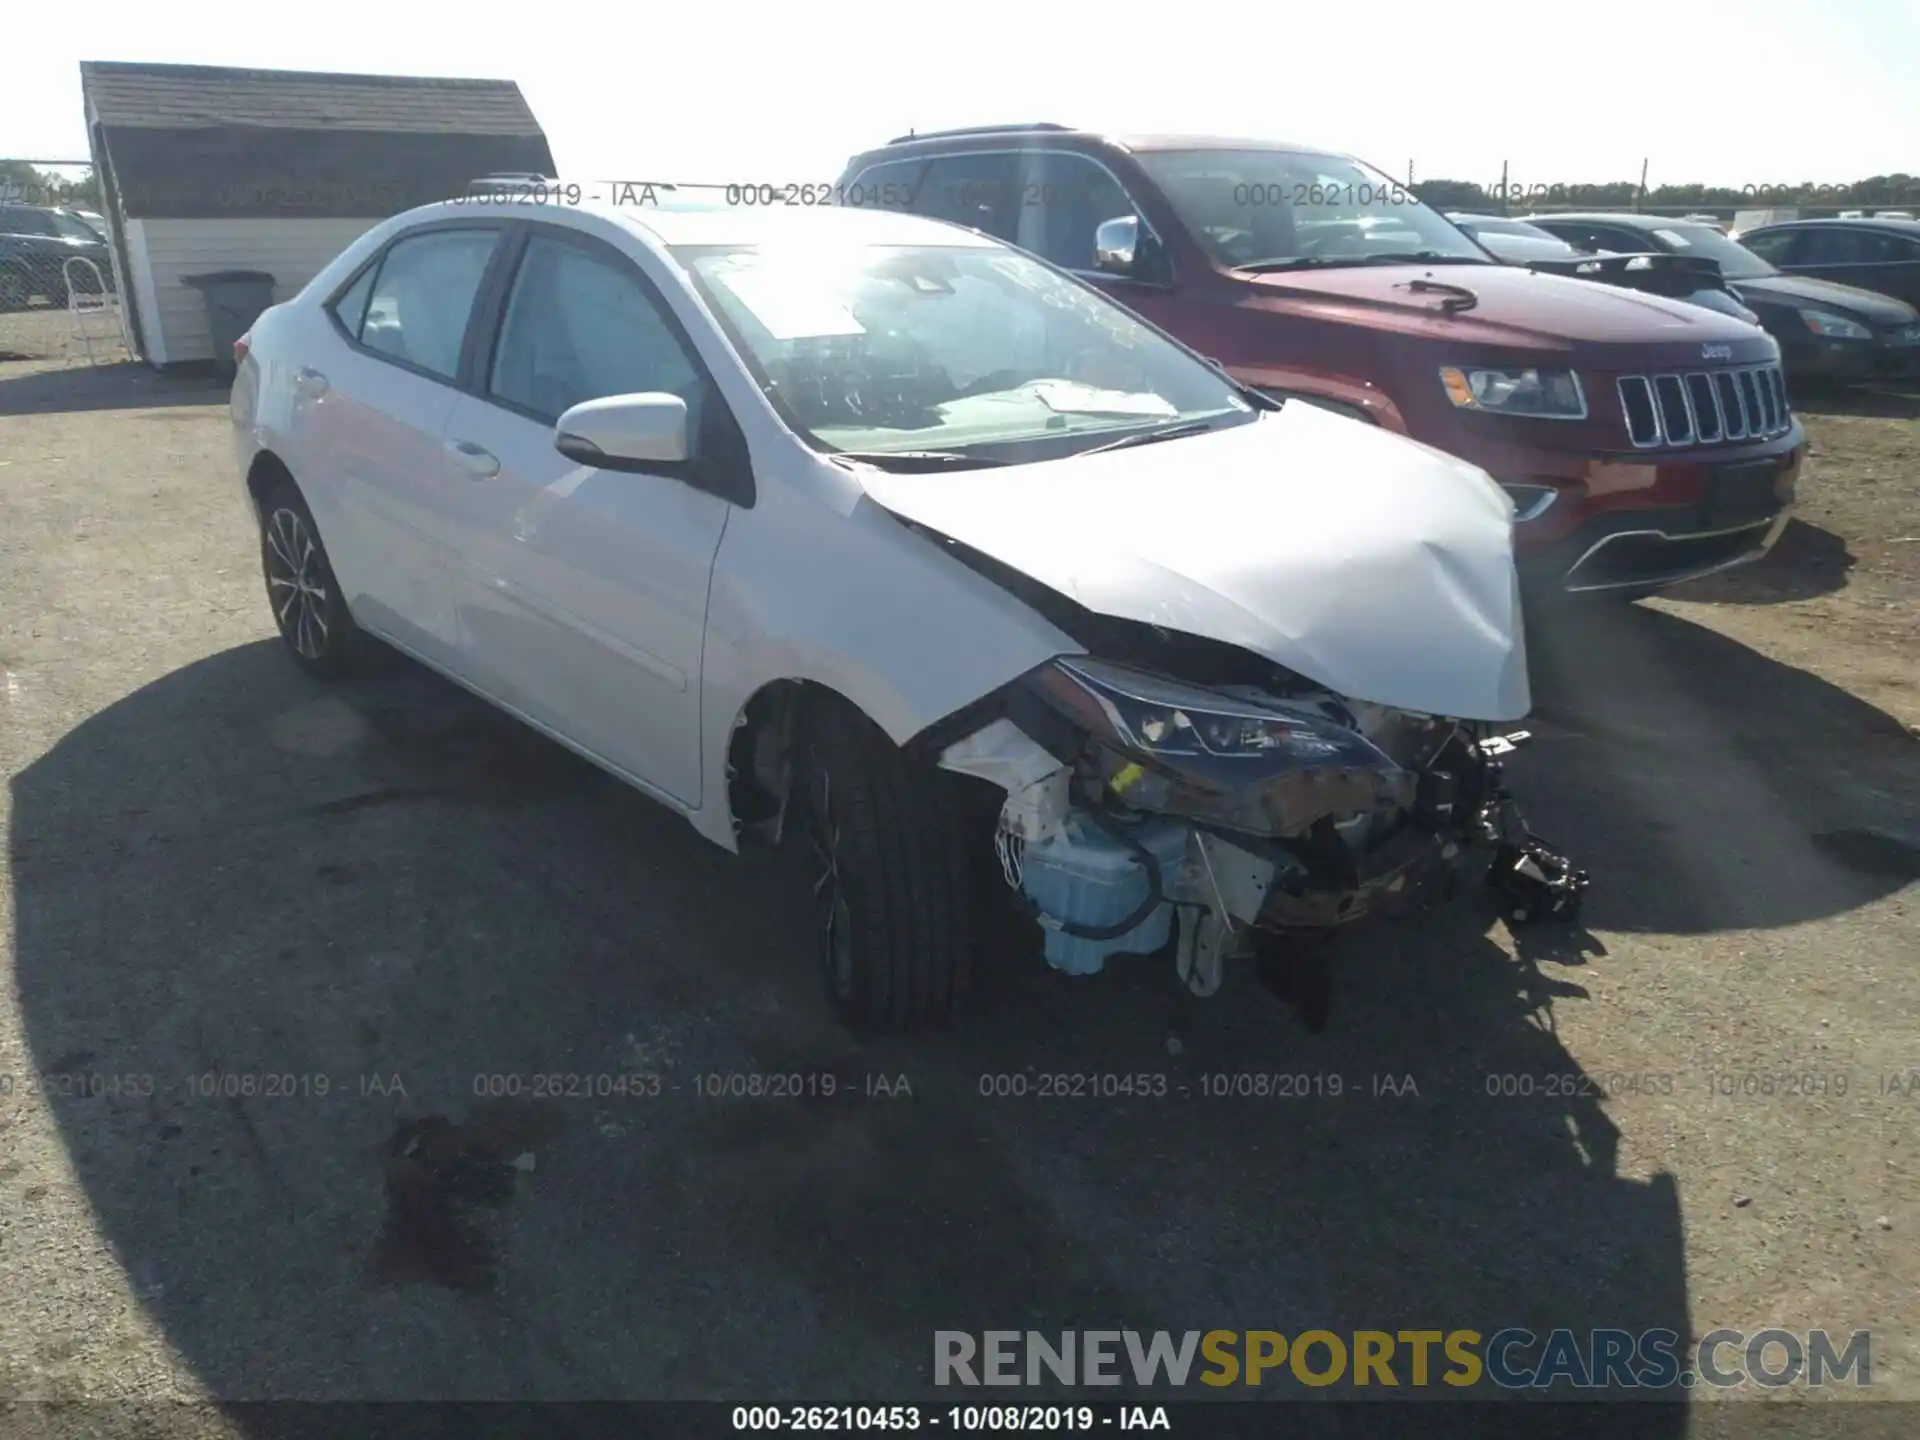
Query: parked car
{"type": "Point", "coordinates": [1876, 253]}
{"type": "Point", "coordinates": [790, 519]}
{"type": "Point", "coordinates": [35, 244]}
{"type": "Point", "coordinates": [92, 219]}
{"type": "Point", "coordinates": [1518, 242]}
{"type": "Point", "coordinates": [1310, 274]}
{"type": "Point", "coordinates": [1514, 241]}
{"type": "Point", "coordinates": [1827, 331]}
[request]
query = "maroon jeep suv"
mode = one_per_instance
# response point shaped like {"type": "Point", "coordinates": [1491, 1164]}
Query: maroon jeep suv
{"type": "Point", "coordinates": [1643, 440]}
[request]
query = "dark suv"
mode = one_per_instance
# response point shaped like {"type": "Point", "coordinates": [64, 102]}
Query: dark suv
{"type": "Point", "coordinates": [35, 245]}
{"type": "Point", "coordinates": [1644, 440]}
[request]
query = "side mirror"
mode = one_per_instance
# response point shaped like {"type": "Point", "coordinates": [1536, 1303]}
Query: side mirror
{"type": "Point", "coordinates": [1116, 245]}
{"type": "Point", "coordinates": [625, 432]}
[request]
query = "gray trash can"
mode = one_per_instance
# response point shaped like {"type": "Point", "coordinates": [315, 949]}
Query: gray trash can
{"type": "Point", "coordinates": [234, 300]}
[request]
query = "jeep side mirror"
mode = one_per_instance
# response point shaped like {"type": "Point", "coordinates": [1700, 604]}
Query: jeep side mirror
{"type": "Point", "coordinates": [1116, 245]}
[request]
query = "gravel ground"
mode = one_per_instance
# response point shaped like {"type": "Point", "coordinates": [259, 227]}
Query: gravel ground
{"type": "Point", "coordinates": [217, 867]}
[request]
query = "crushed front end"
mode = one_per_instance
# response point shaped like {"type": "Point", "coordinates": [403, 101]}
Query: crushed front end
{"type": "Point", "coordinates": [1141, 808]}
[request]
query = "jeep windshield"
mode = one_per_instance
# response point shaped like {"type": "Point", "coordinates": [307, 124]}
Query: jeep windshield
{"type": "Point", "coordinates": [920, 357]}
{"type": "Point", "coordinates": [1270, 210]}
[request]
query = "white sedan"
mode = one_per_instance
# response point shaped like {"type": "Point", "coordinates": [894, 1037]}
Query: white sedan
{"type": "Point", "coordinates": [825, 523]}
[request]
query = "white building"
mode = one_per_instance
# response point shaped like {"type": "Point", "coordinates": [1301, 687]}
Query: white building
{"type": "Point", "coordinates": [204, 169]}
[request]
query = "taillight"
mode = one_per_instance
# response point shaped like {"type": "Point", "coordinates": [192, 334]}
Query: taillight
{"type": "Point", "coordinates": [240, 347]}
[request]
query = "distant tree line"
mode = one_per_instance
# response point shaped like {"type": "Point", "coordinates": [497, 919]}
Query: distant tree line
{"type": "Point", "coordinates": [23, 184]}
{"type": "Point", "coordinates": [1898, 191]}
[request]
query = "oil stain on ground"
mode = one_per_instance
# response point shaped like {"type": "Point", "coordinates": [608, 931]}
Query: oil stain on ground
{"type": "Point", "coordinates": [442, 1178]}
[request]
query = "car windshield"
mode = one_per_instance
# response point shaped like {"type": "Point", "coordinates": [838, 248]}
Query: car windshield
{"type": "Point", "coordinates": [1276, 209]}
{"type": "Point", "coordinates": [1735, 260]}
{"type": "Point", "coordinates": [973, 352]}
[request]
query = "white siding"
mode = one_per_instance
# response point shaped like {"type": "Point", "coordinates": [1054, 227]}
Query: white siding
{"type": "Point", "coordinates": [172, 314]}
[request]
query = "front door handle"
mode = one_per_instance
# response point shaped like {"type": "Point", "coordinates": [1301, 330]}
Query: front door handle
{"type": "Point", "coordinates": [478, 462]}
{"type": "Point", "coordinates": [310, 381]}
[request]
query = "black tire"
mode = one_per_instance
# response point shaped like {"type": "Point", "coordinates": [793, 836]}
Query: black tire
{"type": "Point", "coordinates": [308, 608]}
{"type": "Point", "coordinates": [893, 922]}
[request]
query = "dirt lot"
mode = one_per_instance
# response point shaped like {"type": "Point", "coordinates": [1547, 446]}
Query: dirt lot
{"type": "Point", "coordinates": [216, 867]}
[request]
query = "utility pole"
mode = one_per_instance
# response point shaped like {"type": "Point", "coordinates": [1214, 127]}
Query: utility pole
{"type": "Point", "coordinates": [1503, 188]}
{"type": "Point", "coordinates": [1641, 198]}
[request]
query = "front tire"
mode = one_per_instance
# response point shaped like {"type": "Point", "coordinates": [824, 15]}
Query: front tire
{"type": "Point", "coordinates": [893, 923]}
{"type": "Point", "coordinates": [308, 608]}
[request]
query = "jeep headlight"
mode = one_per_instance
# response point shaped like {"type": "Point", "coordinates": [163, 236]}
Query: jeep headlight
{"type": "Point", "coordinates": [1539, 394]}
{"type": "Point", "coordinates": [1264, 767]}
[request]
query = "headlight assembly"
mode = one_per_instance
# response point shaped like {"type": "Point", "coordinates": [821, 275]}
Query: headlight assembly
{"type": "Point", "coordinates": [1834, 327]}
{"type": "Point", "coordinates": [1538, 394]}
{"type": "Point", "coordinates": [1262, 767]}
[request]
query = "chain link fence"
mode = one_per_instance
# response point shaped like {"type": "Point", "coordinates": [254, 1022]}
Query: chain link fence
{"type": "Point", "coordinates": [59, 285]}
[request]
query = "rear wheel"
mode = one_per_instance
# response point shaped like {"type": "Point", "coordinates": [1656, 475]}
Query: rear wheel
{"type": "Point", "coordinates": [307, 605]}
{"type": "Point", "coordinates": [893, 926]}
{"type": "Point", "coordinates": [14, 289]}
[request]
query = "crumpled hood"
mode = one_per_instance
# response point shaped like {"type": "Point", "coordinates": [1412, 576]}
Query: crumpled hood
{"type": "Point", "coordinates": [1371, 564]}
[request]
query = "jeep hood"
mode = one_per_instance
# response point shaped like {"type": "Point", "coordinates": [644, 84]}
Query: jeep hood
{"type": "Point", "coordinates": [1513, 307]}
{"type": "Point", "coordinates": [1373, 565]}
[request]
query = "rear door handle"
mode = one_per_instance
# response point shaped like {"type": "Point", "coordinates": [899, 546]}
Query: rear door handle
{"type": "Point", "coordinates": [310, 380]}
{"type": "Point", "coordinates": [479, 463]}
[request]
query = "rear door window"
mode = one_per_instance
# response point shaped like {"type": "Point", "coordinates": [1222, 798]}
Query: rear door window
{"type": "Point", "coordinates": [1848, 247]}
{"type": "Point", "coordinates": [890, 186]}
{"type": "Point", "coordinates": [1775, 248]}
{"type": "Point", "coordinates": [980, 191]}
{"type": "Point", "coordinates": [422, 298]}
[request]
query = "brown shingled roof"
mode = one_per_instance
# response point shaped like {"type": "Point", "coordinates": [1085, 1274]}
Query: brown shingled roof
{"type": "Point", "coordinates": [173, 97]}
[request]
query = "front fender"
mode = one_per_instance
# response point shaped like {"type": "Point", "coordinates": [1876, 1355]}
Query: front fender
{"type": "Point", "coordinates": [862, 605]}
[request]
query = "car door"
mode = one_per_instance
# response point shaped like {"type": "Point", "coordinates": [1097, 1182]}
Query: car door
{"type": "Point", "coordinates": [593, 615]}
{"type": "Point", "coordinates": [1867, 259]}
{"type": "Point", "coordinates": [368, 416]}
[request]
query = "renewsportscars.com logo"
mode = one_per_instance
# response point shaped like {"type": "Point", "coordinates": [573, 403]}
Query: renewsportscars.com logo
{"type": "Point", "coordinates": [1509, 1359]}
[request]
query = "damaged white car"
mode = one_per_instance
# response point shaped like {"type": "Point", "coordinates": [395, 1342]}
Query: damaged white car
{"type": "Point", "coordinates": [812, 524]}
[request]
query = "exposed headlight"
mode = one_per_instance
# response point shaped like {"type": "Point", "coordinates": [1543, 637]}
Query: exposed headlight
{"type": "Point", "coordinates": [1264, 768]}
{"type": "Point", "coordinates": [1834, 327]}
{"type": "Point", "coordinates": [1540, 394]}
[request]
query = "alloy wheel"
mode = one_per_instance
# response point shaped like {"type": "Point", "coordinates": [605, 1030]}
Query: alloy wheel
{"type": "Point", "coordinates": [296, 583]}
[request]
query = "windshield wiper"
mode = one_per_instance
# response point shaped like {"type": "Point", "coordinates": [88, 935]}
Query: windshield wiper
{"type": "Point", "coordinates": [1297, 262]}
{"type": "Point", "coordinates": [1420, 257]}
{"type": "Point", "coordinates": [1147, 437]}
{"type": "Point", "coordinates": [1344, 262]}
{"type": "Point", "coordinates": [915, 459]}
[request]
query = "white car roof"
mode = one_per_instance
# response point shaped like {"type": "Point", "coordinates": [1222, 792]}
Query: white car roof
{"type": "Point", "coordinates": [685, 224]}
{"type": "Point", "coordinates": [675, 221]}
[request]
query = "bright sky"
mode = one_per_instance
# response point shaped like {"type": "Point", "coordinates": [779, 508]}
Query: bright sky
{"type": "Point", "coordinates": [1762, 92]}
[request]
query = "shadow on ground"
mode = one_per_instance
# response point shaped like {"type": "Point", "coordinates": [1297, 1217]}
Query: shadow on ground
{"type": "Point", "coordinates": [523, 991]}
{"type": "Point", "coordinates": [1805, 563]}
{"type": "Point", "coordinates": [1889, 402]}
{"type": "Point", "coordinates": [126, 386]}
